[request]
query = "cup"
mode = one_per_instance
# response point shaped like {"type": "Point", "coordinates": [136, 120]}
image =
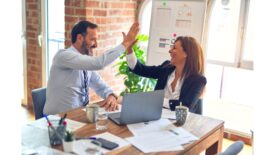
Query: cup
{"type": "Point", "coordinates": [102, 119]}
{"type": "Point", "coordinates": [91, 112]}
{"type": "Point", "coordinates": [56, 132]}
{"type": "Point", "coordinates": [68, 146]}
{"type": "Point", "coordinates": [181, 115]}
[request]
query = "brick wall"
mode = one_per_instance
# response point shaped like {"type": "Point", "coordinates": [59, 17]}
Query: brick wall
{"type": "Point", "coordinates": [112, 17]}
{"type": "Point", "coordinates": [34, 52]}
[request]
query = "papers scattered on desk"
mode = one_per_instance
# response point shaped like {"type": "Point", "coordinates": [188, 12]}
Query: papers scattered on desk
{"type": "Point", "coordinates": [149, 127]}
{"type": "Point", "coordinates": [156, 141]}
{"type": "Point", "coordinates": [81, 145]}
{"type": "Point", "coordinates": [28, 138]}
{"type": "Point", "coordinates": [160, 135]}
{"type": "Point", "coordinates": [42, 123]}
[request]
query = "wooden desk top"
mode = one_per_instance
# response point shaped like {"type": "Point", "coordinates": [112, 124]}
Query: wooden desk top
{"type": "Point", "coordinates": [208, 130]}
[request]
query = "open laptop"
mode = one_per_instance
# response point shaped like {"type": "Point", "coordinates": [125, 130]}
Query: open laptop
{"type": "Point", "coordinates": [139, 107]}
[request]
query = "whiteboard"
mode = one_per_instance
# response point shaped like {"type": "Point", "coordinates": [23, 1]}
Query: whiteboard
{"type": "Point", "coordinates": [170, 19]}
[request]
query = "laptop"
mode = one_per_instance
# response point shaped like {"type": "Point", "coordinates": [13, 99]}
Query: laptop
{"type": "Point", "coordinates": [139, 107]}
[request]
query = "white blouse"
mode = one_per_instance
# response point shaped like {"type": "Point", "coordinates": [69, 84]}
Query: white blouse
{"type": "Point", "coordinates": [169, 94]}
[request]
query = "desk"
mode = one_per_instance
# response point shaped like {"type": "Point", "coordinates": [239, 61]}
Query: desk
{"type": "Point", "coordinates": [208, 130]}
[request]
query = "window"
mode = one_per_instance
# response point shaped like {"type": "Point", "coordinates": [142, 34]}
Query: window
{"type": "Point", "coordinates": [226, 40]}
{"type": "Point", "coordinates": [53, 21]}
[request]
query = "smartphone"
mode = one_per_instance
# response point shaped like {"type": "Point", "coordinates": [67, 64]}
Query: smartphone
{"type": "Point", "coordinates": [106, 143]}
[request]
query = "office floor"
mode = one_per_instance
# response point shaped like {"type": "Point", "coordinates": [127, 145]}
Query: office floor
{"type": "Point", "coordinates": [28, 116]}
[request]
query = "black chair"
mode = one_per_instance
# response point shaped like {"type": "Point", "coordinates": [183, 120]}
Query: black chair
{"type": "Point", "coordinates": [234, 148]}
{"type": "Point", "coordinates": [38, 99]}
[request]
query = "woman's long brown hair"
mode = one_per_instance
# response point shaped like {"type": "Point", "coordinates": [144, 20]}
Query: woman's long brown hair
{"type": "Point", "coordinates": [195, 58]}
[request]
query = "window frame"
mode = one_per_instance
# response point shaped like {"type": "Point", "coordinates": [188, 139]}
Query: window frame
{"type": "Point", "coordinates": [239, 61]}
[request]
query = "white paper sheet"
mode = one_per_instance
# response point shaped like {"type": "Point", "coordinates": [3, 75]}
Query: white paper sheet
{"type": "Point", "coordinates": [33, 137]}
{"type": "Point", "coordinates": [81, 145]}
{"type": "Point", "coordinates": [42, 123]}
{"type": "Point", "coordinates": [149, 127]}
{"type": "Point", "coordinates": [159, 141]}
{"type": "Point", "coordinates": [156, 141]}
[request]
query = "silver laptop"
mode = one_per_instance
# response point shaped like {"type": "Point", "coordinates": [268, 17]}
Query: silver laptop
{"type": "Point", "coordinates": [139, 107]}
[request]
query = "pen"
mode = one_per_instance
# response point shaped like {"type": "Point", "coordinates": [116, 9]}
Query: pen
{"type": "Point", "coordinates": [90, 138]}
{"type": "Point", "coordinates": [49, 122]}
{"type": "Point", "coordinates": [62, 119]}
{"type": "Point", "coordinates": [174, 132]}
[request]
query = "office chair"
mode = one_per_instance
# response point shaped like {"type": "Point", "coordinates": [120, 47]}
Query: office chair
{"type": "Point", "coordinates": [234, 148]}
{"type": "Point", "coordinates": [38, 99]}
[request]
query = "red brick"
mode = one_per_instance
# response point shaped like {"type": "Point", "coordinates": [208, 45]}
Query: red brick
{"type": "Point", "coordinates": [34, 14]}
{"type": "Point", "coordinates": [32, 41]}
{"type": "Point", "coordinates": [110, 20]}
{"type": "Point", "coordinates": [69, 11]}
{"type": "Point", "coordinates": [100, 13]}
{"type": "Point", "coordinates": [92, 4]}
{"type": "Point", "coordinates": [29, 1]}
{"type": "Point", "coordinates": [32, 6]}
{"type": "Point", "coordinates": [128, 12]}
{"type": "Point", "coordinates": [77, 3]}
{"type": "Point", "coordinates": [81, 12]}
{"type": "Point", "coordinates": [130, 5]}
{"type": "Point", "coordinates": [115, 12]}
{"type": "Point", "coordinates": [31, 27]}
{"type": "Point", "coordinates": [116, 27]}
{"type": "Point", "coordinates": [107, 5]}
{"type": "Point", "coordinates": [117, 5]}
{"type": "Point", "coordinates": [71, 19]}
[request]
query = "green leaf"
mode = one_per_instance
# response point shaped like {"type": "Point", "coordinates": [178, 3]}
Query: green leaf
{"type": "Point", "coordinates": [134, 83]}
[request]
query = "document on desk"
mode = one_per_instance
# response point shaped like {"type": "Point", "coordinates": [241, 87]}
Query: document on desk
{"type": "Point", "coordinates": [81, 145]}
{"type": "Point", "coordinates": [148, 127]}
{"type": "Point", "coordinates": [42, 123]}
{"type": "Point", "coordinates": [170, 140]}
{"type": "Point", "coordinates": [31, 140]}
{"type": "Point", "coordinates": [156, 141]}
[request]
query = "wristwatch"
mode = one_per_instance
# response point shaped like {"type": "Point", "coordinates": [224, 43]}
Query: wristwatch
{"type": "Point", "coordinates": [113, 94]}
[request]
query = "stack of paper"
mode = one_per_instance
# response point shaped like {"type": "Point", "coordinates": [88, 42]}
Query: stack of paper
{"type": "Point", "coordinates": [161, 135]}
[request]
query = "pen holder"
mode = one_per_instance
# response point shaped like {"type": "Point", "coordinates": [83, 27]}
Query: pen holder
{"type": "Point", "coordinates": [56, 133]}
{"type": "Point", "coordinates": [181, 115]}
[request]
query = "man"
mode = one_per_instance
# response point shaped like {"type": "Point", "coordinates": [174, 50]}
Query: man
{"type": "Point", "coordinates": [73, 70]}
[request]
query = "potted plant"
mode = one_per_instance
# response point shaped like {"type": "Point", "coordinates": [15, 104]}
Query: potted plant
{"type": "Point", "coordinates": [68, 141]}
{"type": "Point", "coordinates": [134, 83]}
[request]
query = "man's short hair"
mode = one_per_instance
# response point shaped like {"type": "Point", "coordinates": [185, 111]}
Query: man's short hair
{"type": "Point", "coordinates": [81, 28]}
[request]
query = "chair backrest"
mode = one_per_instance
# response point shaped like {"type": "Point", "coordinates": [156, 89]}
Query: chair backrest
{"type": "Point", "coordinates": [234, 148]}
{"type": "Point", "coordinates": [38, 99]}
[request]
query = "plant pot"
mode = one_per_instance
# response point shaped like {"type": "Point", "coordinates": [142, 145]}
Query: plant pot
{"type": "Point", "coordinates": [68, 146]}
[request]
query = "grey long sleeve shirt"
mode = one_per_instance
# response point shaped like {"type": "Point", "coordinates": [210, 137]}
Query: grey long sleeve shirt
{"type": "Point", "coordinates": [66, 81]}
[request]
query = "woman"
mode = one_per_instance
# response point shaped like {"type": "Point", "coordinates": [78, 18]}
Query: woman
{"type": "Point", "coordinates": [182, 77]}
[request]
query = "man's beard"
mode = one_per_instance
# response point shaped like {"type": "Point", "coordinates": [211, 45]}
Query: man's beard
{"type": "Point", "coordinates": [84, 48]}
